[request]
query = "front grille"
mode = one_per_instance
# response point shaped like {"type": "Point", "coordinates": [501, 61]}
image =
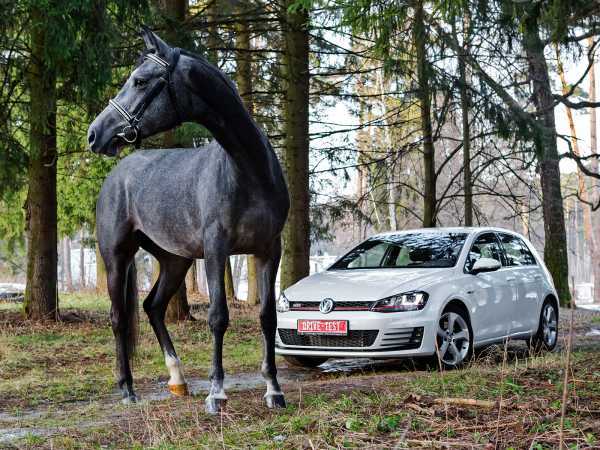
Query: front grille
{"type": "Point", "coordinates": [337, 306]}
{"type": "Point", "coordinates": [355, 338]}
{"type": "Point", "coordinates": [402, 338]}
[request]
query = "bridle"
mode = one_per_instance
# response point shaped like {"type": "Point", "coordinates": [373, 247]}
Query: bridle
{"type": "Point", "coordinates": [131, 132]}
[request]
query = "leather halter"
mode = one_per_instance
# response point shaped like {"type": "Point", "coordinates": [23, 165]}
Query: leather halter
{"type": "Point", "coordinates": [131, 132]}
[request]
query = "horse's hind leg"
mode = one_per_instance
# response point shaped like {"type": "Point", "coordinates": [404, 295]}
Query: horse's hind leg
{"type": "Point", "coordinates": [267, 271]}
{"type": "Point", "coordinates": [123, 314]}
{"type": "Point", "coordinates": [218, 320]}
{"type": "Point", "coordinates": [172, 272]}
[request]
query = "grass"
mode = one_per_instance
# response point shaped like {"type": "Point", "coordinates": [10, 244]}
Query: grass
{"type": "Point", "coordinates": [39, 360]}
{"type": "Point", "coordinates": [47, 367]}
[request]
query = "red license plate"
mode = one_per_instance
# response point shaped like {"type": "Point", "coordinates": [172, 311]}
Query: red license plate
{"type": "Point", "coordinates": [334, 327]}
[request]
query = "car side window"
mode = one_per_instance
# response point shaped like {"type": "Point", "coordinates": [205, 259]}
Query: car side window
{"type": "Point", "coordinates": [485, 246]}
{"type": "Point", "coordinates": [516, 251]}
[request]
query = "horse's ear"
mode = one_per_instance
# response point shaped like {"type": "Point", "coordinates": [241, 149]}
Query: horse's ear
{"type": "Point", "coordinates": [153, 42]}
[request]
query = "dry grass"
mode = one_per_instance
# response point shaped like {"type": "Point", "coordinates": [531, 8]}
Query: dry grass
{"type": "Point", "coordinates": [378, 406]}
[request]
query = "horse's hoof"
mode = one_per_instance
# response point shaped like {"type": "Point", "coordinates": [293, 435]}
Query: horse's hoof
{"type": "Point", "coordinates": [129, 399]}
{"type": "Point", "coordinates": [275, 401]}
{"type": "Point", "coordinates": [179, 390]}
{"type": "Point", "coordinates": [214, 405]}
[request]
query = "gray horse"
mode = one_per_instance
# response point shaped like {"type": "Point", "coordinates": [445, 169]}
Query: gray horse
{"type": "Point", "coordinates": [226, 198]}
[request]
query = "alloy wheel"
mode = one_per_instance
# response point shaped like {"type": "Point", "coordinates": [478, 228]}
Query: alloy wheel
{"type": "Point", "coordinates": [549, 325]}
{"type": "Point", "coordinates": [453, 339]}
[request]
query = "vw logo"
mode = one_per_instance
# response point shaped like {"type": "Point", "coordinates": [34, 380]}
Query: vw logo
{"type": "Point", "coordinates": [326, 305]}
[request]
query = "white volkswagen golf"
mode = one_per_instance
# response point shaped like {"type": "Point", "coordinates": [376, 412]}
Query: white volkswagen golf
{"type": "Point", "coordinates": [413, 293]}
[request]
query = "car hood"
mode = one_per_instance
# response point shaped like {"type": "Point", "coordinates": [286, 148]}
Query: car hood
{"type": "Point", "coordinates": [364, 284]}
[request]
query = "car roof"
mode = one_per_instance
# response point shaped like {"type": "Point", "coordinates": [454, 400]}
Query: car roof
{"type": "Point", "coordinates": [468, 230]}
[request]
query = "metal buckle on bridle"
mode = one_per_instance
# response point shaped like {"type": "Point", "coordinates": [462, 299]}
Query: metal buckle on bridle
{"type": "Point", "coordinates": [125, 134]}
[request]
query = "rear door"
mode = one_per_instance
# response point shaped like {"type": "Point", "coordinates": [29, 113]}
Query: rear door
{"type": "Point", "coordinates": [490, 292]}
{"type": "Point", "coordinates": [527, 275]}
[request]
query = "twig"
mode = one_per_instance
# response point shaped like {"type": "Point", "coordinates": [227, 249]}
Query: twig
{"type": "Point", "coordinates": [466, 402]}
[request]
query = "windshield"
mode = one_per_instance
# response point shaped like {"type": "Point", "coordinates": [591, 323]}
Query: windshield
{"type": "Point", "coordinates": [405, 250]}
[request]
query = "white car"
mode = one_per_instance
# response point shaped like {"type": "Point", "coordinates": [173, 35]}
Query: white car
{"type": "Point", "coordinates": [418, 292]}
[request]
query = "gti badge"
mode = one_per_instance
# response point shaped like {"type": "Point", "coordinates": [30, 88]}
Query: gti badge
{"type": "Point", "coordinates": [326, 305]}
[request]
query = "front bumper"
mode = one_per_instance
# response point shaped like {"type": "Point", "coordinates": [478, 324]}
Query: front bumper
{"type": "Point", "coordinates": [371, 335]}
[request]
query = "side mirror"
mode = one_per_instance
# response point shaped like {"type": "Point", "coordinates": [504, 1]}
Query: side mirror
{"type": "Point", "coordinates": [485, 265]}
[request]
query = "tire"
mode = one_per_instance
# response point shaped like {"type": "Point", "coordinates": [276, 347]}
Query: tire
{"type": "Point", "coordinates": [460, 338]}
{"type": "Point", "coordinates": [305, 361]}
{"type": "Point", "coordinates": [546, 337]}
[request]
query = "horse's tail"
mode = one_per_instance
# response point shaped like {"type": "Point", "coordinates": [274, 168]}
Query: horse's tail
{"type": "Point", "coordinates": [132, 310]}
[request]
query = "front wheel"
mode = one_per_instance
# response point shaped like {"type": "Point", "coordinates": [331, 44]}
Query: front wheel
{"type": "Point", "coordinates": [305, 361]}
{"type": "Point", "coordinates": [454, 338]}
{"type": "Point", "coordinates": [546, 337]}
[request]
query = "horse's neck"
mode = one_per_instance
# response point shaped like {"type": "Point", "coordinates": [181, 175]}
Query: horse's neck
{"type": "Point", "coordinates": [249, 148]}
{"type": "Point", "coordinates": [233, 127]}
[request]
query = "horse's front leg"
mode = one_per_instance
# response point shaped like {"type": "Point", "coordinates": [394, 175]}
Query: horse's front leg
{"type": "Point", "coordinates": [218, 320]}
{"type": "Point", "coordinates": [267, 271]}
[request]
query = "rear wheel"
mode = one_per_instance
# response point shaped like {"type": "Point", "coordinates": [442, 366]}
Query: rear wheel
{"type": "Point", "coordinates": [305, 361]}
{"type": "Point", "coordinates": [547, 334]}
{"type": "Point", "coordinates": [454, 338]}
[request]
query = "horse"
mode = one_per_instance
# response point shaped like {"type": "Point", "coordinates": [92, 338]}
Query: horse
{"type": "Point", "coordinates": [228, 197]}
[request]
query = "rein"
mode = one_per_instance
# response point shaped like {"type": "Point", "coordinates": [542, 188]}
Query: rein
{"type": "Point", "coordinates": [131, 132]}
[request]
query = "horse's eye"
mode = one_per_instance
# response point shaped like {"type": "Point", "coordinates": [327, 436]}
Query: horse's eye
{"type": "Point", "coordinates": [140, 82]}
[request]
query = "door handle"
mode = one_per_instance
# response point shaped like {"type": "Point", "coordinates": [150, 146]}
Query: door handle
{"type": "Point", "coordinates": [511, 278]}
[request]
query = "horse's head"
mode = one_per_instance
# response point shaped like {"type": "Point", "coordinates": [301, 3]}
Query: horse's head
{"type": "Point", "coordinates": [147, 103]}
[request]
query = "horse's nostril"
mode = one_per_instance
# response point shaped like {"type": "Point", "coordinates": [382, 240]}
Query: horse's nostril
{"type": "Point", "coordinates": [91, 137]}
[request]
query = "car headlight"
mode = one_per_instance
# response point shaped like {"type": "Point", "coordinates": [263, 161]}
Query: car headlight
{"type": "Point", "coordinates": [408, 301]}
{"type": "Point", "coordinates": [283, 304]}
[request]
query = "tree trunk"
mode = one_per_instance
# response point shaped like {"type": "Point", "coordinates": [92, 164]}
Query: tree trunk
{"type": "Point", "coordinates": [464, 106]}
{"type": "Point", "coordinates": [81, 260]}
{"type": "Point", "coordinates": [191, 278]}
{"type": "Point", "coordinates": [41, 300]}
{"type": "Point", "coordinates": [244, 83]}
{"type": "Point", "coordinates": [296, 235]}
{"type": "Point", "coordinates": [229, 289]}
{"type": "Point", "coordinates": [555, 248]}
{"type": "Point", "coordinates": [594, 166]}
{"type": "Point", "coordinates": [174, 12]}
{"type": "Point", "coordinates": [67, 264]}
{"type": "Point", "coordinates": [101, 277]}
{"type": "Point", "coordinates": [424, 95]}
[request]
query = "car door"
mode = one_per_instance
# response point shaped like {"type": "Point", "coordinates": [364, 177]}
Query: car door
{"type": "Point", "coordinates": [527, 275]}
{"type": "Point", "coordinates": [489, 291]}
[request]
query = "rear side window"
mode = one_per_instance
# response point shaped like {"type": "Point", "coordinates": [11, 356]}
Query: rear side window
{"type": "Point", "coordinates": [517, 253]}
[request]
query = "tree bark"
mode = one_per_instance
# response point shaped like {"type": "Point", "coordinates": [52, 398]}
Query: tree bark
{"type": "Point", "coordinates": [245, 85]}
{"type": "Point", "coordinates": [191, 278]}
{"type": "Point", "coordinates": [101, 277]}
{"type": "Point", "coordinates": [296, 235]}
{"type": "Point", "coordinates": [174, 12]}
{"type": "Point", "coordinates": [41, 300]}
{"type": "Point", "coordinates": [464, 106]}
{"type": "Point", "coordinates": [555, 248]}
{"type": "Point", "coordinates": [424, 95]}
{"type": "Point", "coordinates": [594, 167]}
{"type": "Point", "coordinates": [229, 289]}
{"type": "Point", "coordinates": [67, 264]}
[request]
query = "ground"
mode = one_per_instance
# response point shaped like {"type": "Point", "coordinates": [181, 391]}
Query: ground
{"type": "Point", "coordinates": [57, 390]}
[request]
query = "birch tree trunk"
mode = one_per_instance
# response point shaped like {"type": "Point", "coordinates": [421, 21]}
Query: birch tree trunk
{"type": "Point", "coordinates": [555, 248]}
{"type": "Point", "coordinates": [296, 235]}
{"type": "Point", "coordinates": [41, 300]}
{"type": "Point", "coordinates": [81, 260]}
{"type": "Point", "coordinates": [68, 274]}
